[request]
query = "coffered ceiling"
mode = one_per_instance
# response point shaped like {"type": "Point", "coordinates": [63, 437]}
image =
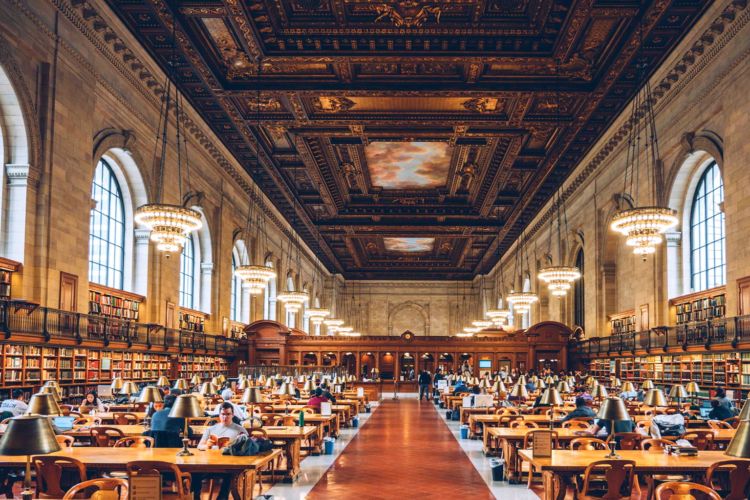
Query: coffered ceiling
{"type": "Point", "coordinates": [409, 139]}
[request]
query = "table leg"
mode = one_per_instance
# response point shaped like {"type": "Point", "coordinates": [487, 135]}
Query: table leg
{"type": "Point", "coordinates": [510, 453]}
{"type": "Point", "coordinates": [292, 459]}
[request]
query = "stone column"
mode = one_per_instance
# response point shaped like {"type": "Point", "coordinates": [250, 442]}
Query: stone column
{"type": "Point", "coordinates": [141, 239]}
{"type": "Point", "coordinates": [207, 269]}
{"type": "Point", "coordinates": [15, 221]}
{"type": "Point", "coordinates": [674, 258]}
{"type": "Point", "coordinates": [245, 304]}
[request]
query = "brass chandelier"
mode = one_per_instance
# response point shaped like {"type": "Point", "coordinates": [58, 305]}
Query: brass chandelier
{"type": "Point", "coordinates": [559, 278]}
{"type": "Point", "coordinates": [521, 301]}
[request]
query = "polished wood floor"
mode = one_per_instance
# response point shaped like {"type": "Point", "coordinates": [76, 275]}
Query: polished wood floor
{"type": "Point", "coordinates": [404, 451]}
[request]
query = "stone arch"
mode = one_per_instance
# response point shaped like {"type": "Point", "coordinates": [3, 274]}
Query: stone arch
{"type": "Point", "coordinates": [399, 318]}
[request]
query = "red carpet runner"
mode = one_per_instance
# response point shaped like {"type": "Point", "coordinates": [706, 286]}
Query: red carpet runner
{"type": "Point", "coordinates": [404, 451]}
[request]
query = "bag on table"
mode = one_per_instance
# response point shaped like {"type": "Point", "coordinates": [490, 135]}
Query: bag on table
{"type": "Point", "coordinates": [245, 446]}
{"type": "Point", "coordinates": [670, 425]}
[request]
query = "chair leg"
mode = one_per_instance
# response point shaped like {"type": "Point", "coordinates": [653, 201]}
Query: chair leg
{"type": "Point", "coordinates": [531, 475]}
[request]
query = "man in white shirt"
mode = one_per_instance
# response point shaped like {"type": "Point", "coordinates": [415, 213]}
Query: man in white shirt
{"type": "Point", "coordinates": [225, 428]}
{"type": "Point", "coordinates": [17, 406]}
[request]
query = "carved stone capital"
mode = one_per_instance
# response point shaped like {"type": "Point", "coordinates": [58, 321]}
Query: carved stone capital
{"type": "Point", "coordinates": [18, 174]}
{"type": "Point", "coordinates": [142, 236]}
{"type": "Point", "coordinates": [674, 238]}
{"type": "Point", "coordinates": [207, 267]}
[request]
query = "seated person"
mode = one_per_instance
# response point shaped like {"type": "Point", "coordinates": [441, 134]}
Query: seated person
{"type": "Point", "coordinates": [91, 402]}
{"type": "Point", "coordinates": [601, 427]}
{"type": "Point", "coordinates": [16, 405]}
{"type": "Point", "coordinates": [502, 400]}
{"type": "Point", "coordinates": [161, 421]}
{"type": "Point", "coordinates": [460, 387]}
{"type": "Point", "coordinates": [530, 386]}
{"type": "Point", "coordinates": [227, 394]}
{"type": "Point", "coordinates": [225, 428]}
{"type": "Point", "coordinates": [327, 393]}
{"type": "Point", "coordinates": [721, 397]}
{"type": "Point", "coordinates": [719, 411]}
{"type": "Point", "coordinates": [629, 394]}
{"type": "Point", "coordinates": [317, 398]}
{"type": "Point", "coordinates": [582, 410]}
{"type": "Point", "coordinates": [240, 412]}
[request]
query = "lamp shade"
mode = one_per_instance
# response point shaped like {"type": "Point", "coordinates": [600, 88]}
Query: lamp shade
{"type": "Point", "coordinates": [519, 391]}
{"type": "Point", "coordinates": [745, 412]}
{"type": "Point", "coordinates": [243, 384]}
{"type": "Point", "coordinates": [29, 435]}
{"type": "Point", "coordinates": [551, 397]}
{"type": "Point", "coordinates": [692, 388]}
{"type": "Point", "coordinates": [47, 389]}
{"type": "Point", "coordinates": [614, 382]}
{"type": "Point", "coordinates": [628, 387]}
{"type": "Point", "coordinates": [308, 386]}
{"type": "Point", "coordinates": [251, 395]}
{"type": "Point", "coordinates": [739, 446]}
{"type": "Point", "coordinates": [116, 384]}
{"type": "Point", "coordinates": [129, 388]}
{"type": "Point", "coordinates": [150, 394]}
{"type": "Point", "coordinates": [599, 391]}
{"type": "Point", "coordinates": [52, 383]}
{"type": "Point", "coordinates": [43, 404]}
{"type": "Point", "coordinates": [163, 381]}
{"type": "Point", "coordinates": [207, 389]}
{"type": "Point", "coordinates": [181, 384]}
{"type": "Point", "coordinates": [195, 380]}
{"type": "Point", "coordinates": [222, 378]}
{"type": "Point", "coordinates": [483, 384]}
{"type": "Point", "coordinates": [499, 387]}
{"type": "Point", "coordinates": [563, 387]}
{"type": "Point", "coordinates": [613, 409]}
{"type": "Point", "coordinates": [289, 390]}
{"type": "Point", "coordinates": [186, 406]}
{"type": "Point", "coordinates": [647, 385]}
{"type": "Point", "coordinates": [677, 391]}
{"type": "Point", "coordinates": [549, 380]}
{"type": "Point", "coordinates": [655, 397]}
{"type": "Point", "coordinates": [522, 380]}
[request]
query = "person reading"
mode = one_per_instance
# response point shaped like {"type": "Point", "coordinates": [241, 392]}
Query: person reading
{"type": "Point", "coordinates": [317, 398]}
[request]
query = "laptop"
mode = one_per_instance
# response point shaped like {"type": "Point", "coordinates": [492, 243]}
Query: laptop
{"type": "Point", "coordinates": [704, 413]}
{"type": "Point", "coordinates": [63, 423]}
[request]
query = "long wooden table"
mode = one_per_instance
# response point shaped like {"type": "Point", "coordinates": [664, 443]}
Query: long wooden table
{"type": "Point", "coordinates": [558, 469]}
{"type": "Point", "coordinates": [115, 459]}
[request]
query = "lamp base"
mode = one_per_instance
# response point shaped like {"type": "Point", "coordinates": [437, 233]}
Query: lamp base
{"type": "Point", "coordinates": [185, 452]}
{"type": "Point", "coordinates": [27, 494]}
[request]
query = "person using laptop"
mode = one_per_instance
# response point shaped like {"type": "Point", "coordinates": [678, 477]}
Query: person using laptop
{"type": "Point", "coordinates": [719, 411]}
{"type": "Point", "coordinates": [15, 405]}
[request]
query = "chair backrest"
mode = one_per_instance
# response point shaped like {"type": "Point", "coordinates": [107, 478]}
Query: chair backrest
{"type": "Point", "coordinates": [619, 475]}
{"type": "Point", "coordinates": [703, 440]}
{"type": "Point", "coordinates": [528, 439]}
{"type": "Point", "coordinates": [259, 433]}
{"type": "Point", "coordinates": [627, 440]}
{"type": "Point", "coordinates": [100, 489]}
{"type": "Point", "coordinates": [65, 441]}
{"type": "Point", "coordinates": [87, 421]}
{"type": "Point", "coordinates": [587, 443]}
{"type": "Point", "coordinates": [733, 421]}
{"type": "Point", "coordinates": [655, 445]}
{"type": "Point", "coordinates": [49, 472]}
{"type": "Point", "coordinates": [125, 418]}
{"type": "Point", "coordinates": [152, 467]}
{"type": "Point", "coordinates": [556, 412]}
{"type": "Point", "coordinates": [277, 420]}
{"type": "Point", "coordinates": [105, 436]}
{"type": "Point", "coordinates": [523, 424]}
{"type": "Point", "coordinates": [719, 424]}
{"type": "Point", "coordinates": [575, 424]}
{"type": "Point", "coordinates": [739, 477]}
{"type": "Point", "coordinates": [135, 442]}
{"type": "Point", "coordinates": [684, 491]}
{"type": "Point", "coordinates": [507, 411]}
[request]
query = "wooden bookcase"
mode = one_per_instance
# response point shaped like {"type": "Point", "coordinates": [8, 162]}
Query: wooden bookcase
{"type": "Point", "coordinates": [702, 306]}
{"type": "Point", "coordinates": [7, 268]}
{"type": "Point", "coordinates": [191, 320]}
{"type": "Point", "coordinates": [622, 323]}
{"type": "Point", "coordinates": [113, 303]}
{"type": "Point", "coordinates": [204, 366]}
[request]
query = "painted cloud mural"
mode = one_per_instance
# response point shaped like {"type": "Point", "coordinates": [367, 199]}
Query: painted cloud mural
{"type": "Point", "coordinates": [408, 165]}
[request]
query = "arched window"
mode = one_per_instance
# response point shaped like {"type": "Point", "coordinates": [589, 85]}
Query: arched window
{"type": "Point", "coordinates": [269, 304]}
{"type": "Point", "coordinates": [187, 274]}
{"type": "Point", "coordinates": [578, 300]}
{"type": "Point", "coordinates": [106, 229]}
{"type": "Point", "coordinates": [707, 253]}
{"type": "Point", "coordinates": [239, 295]}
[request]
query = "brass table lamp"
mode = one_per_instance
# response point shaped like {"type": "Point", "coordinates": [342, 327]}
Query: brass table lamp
{"type": "Point", "coordinates": [519, 391]}
{"type": "Point", "coordinates": [116, 384]}
{"type": "Point", "coordinates": [745, 412]}
{"type": "Point", "coordinates": [563, 387]}
{"type": "Point", "coordinates": [129, 388]}
{"type": "Point", "coordinates": [43, 404]}
{"type": "Point", "coordinates": [739, 446]}
{"type": "Point", "coordinates": [150, 394]}
{"type": "Point", "coordinates": [655, 397]}
{"type": "Point", "coordinates": [647, 385]}
{"type": "Point", "coordinates": [195, 380]}
{"type": "Point", "coordinates": [181, 384]}
{"type": "Point", "coordinates": [499, 387]}
{"type": "Point", "coordinates": [599, 392]}
{"type": "Point", "coordinates": [552, 398]}
{"type": "Point", "coordinates": [251, 396]}
{"type": "Point", "coordinates": [207, 389]}
{"type": "Point", "coordinates": [308, 387]}
{"type": "Point", "coordinates": [162, 382]}
{"type": "Point", "coordinates": [627, 387]}
{"type": "Point", "coordinates": [693, 389]}
{"type": "Point", "coordinates": [186, 406]}
{"type": "Point", "coordinates": [30, 435]}
{"type": "Point", "coordinates": [47, 389]}
{"type": "Point", "coordinates": [613, 409]}
{"type": "Point", "coordinates": [678, 392]}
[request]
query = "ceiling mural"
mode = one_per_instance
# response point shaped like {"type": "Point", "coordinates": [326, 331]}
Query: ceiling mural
{"type": "Point", "coordinates": [443, 124]}
{"type": "Point", "coordinates": [408, 165]}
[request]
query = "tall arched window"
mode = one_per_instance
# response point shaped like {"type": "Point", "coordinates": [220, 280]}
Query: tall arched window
{"type": "Point", "coordinates": [578, 300]}
{"type": "Point", "coordinates": [235, 306]}
{"type": "Point", "coordinates": [269, 304]}
{"type": "Point", "coordinates": [707, 254]}
{"type": "Point", "coordinates": [187, 274]}
{"type": "Point", "coordinates": [107, 229]}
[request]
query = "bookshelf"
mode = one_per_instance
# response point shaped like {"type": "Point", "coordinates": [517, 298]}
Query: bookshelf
{"type": "Point", "coordinates": [205, 367]}
{"type": "Point", "coordinates": [191, 320]}
{"type": "Point", "coordinates": [113, 303]}
{"type": "Point", "coordinates": [702, 306]}
{"type": "Point", "coordinates": [622, 323]}
{"type": "Point", "coordinates": [7, 268]}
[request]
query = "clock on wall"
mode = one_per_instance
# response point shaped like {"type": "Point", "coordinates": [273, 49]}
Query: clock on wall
{"type": "Point", "coordinates": [407, 336]}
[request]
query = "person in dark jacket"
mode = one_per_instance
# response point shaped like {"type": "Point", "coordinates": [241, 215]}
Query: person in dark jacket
{"type": "Point", "coordinates": [719, 411]}
{"type": "Point", "coordinates": [581, 411]}
{"type": "Point", "coordinates": [161, 421]}
{"type": "Point", "coordinates": [424, 385]}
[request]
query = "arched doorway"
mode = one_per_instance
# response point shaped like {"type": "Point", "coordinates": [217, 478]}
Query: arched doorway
{"type": "Point", "coordinates": [349, 362]}
{"type": "Point", "coordinates": [463, 358]}
{"type": "Point", "coordinates": [367, 363]}
{"type": "Point", "coordinates": [309, 359]}
{"type": "Point", "coordinates": [329, 359]}
{"type": "Point", "coordinates": [387, 365]}
{"type": "Point", "coordinates": [445, 362]}
{"type": "Point", "coordinates": [406, 362]}
{"type": "Point", "coordinates": [427, 362]}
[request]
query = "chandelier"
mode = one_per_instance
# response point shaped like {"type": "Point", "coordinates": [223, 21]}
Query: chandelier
{"type": "Point", "coordinates": [559, 278]}
{"type": "Point", "coordinates": [482, 324]}
{"type": "Point", "coordinates": [333, 324]}
{"type": "Point", "coordinates": [643, 227]}
{"type": "Point", "coordinates": [255, 278]}
{"type": "Point", "coordinates": [293, 301]}
{"type": "Point", "coordinates": [169, 224]}
{"type": "Point", "coordinates": [522, 301]}
{"type": "Point", "coordinates": [350, 334]}
{"type": "Point", "coordinates": [472, 329]}
{"type": "Point", "coordinates": [464, 334]}
{"type": "Point", "coordinates": [498, 316]}
{"type": "Point", "coordinates": [317, 315]}
{"type": "Point", "coordinates": [342, 330]}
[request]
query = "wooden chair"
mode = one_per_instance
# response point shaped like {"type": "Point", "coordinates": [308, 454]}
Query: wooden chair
{"type": "Point", "coordinates": [557, 413]}
{"type": "Point", "coordinates": [507, 411]}
{"type": "Point", "coordinates": [50, 482]}
{"type": "Point", "coordinates": [125, 418]}
{"type": "Point", "coordinates": [523, 424]}
{"type": "Point", "coordinates": [734, 476]}
{"type": "Point", "coordinates": [657, 446]}
{"type": "Point", "coordinates": [65, 441]}
{"type": "Point", "coordinates": [528, 441]}
{"type": "Point", "coordinates": [626, 440]}
{"type": "Point", "coordinates": [643, 424]}
{"type": "Point", "coordinates": [88, 421]}
{"type": "Point", "coordinates": [259, 433]}
{"type": "Point", "coordinates": [701, 439]}
{"type": "Point", "coordinates": [618, 479]}
{"type": "Point", "coordinates": [588, 443]}
{"type": "Point", "coordinates": [154, 467]}
{"type": "Point", "coordinates": [733, 421]}
{"type": "Point", "coordinates": [6, 421]}
{"type": "Point", "coordinates": [135, 442]}
{"type": "Point", "coordinates": [105, 436]}
{"type": "Point", "coordinates": [719, 424]}
{"type": "Point", "coordinates": [99, 489]}
{"type": "Point", "coordinates": [684, 491]}
{"type": "Point", "coordinates": [575, 425]}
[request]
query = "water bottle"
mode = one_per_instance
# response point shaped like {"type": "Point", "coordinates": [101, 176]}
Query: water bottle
{"type": "Point", "coordinates": [302, 419]}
